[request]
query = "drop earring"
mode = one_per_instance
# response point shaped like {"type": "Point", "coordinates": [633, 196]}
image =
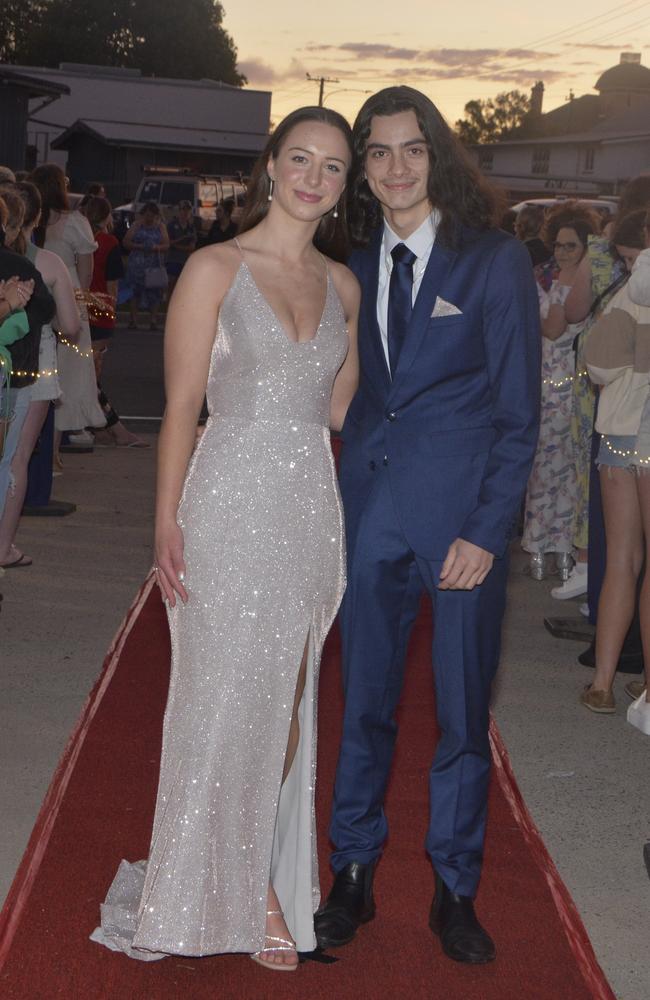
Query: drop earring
{"type": "Point", "coordinates": [335, 213]}
{"type": "Point", "coordinates": [269, 196]}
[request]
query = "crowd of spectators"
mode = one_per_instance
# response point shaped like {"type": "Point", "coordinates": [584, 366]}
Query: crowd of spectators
{"type": "Point", "coordinates": [587, 508]}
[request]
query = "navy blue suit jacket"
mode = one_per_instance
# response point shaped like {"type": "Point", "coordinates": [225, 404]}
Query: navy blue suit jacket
{"type": "Point", "coordinates": [457, 426]}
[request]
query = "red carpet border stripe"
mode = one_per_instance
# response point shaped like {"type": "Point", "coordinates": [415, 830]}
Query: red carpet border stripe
{"type": "Point", "coordinates": [28, 869]}
{"type": "Point", "coordinates": [569, 917]}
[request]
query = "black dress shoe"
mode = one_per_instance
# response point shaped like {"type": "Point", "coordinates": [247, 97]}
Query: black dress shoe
{"type": "Point", "coordinates": [629, 662]}
{"type": "Point", "coordinates": [453, 919]}
{"type": "Point", "coordinates": [349, 904]}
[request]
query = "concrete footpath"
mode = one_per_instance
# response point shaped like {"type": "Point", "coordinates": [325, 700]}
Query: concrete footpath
{"type": "Point", "coordinates": [584, 777]}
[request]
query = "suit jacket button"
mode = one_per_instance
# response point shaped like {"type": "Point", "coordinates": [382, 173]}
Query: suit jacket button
{"type": "Point", "coordinates": [391, 416]}
{"type": "Point", "coordinates": [372, 466]}
{"type": "Point", "coordinates": [385, 462]}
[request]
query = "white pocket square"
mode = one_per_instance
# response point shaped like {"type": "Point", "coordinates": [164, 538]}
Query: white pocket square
{"type": "Point", "coordinates": [442, 308]}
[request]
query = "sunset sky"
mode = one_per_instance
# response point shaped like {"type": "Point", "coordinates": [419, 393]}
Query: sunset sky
{"type": "Point", "coordinates": [454, 52]}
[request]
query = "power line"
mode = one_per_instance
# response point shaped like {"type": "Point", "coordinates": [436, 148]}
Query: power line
{"type": "Point", "coordinates": [621, 31]}
{"type": "Point", "coordinates": [580, 25]}
{"type": "Point", "coordinates": [527, 65]}
{"type": "Point", "coordinates": [322, 80]}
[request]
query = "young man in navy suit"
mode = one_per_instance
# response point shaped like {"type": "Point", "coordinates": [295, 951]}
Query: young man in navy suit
{"type": "Point", "coordinates": [438, 445]}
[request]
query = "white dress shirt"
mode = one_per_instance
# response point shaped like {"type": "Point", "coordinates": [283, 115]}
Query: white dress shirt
{"type": "Point", "coordinates": [420, 243]}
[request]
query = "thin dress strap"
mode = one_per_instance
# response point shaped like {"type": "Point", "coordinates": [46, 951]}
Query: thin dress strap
{"type": "Point", "coordinates": [327, 270]}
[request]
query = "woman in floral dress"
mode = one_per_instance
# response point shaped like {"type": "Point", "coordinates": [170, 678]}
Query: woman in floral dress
{"type": "Point", "coordinates": [551, 495]}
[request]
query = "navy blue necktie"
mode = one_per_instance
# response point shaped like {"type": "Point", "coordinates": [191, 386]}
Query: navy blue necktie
{"type": "Point", "coordinates": [400, 301]}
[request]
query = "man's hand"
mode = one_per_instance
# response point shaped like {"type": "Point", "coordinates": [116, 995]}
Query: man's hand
{"type": "Point", "coordinates": [465, 567]}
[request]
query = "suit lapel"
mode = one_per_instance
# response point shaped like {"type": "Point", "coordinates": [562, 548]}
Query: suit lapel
{"type": "Point", "coordinates": [439, 265]}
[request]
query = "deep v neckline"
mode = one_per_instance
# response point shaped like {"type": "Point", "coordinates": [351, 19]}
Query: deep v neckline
{"type": "Point", "coordinates": [294, 343]}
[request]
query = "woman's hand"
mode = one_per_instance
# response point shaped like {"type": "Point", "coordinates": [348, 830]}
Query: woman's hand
{"type": "Point", "coordinates": [169, 564]}
{"type": "Point", "coordinates": [17, 293]}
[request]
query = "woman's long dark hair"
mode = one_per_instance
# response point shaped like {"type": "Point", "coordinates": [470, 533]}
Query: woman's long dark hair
{"type": "Point", "coordinates": [50, 181]}
{"type": "Point", "coordinates": [98, 210]}
{"type": "Point", "coordinates": [636, 194]}
{"type": "Point", "coordinates": [16, 214]}
{"type": "Point", "coordinates": [331, 237]}
{"type": "Point", "coordinates": [455, 186]}
{"type": "Point", "coordinates": [32, 199]}
{"type": "Point", "coordinates": [630, 230]}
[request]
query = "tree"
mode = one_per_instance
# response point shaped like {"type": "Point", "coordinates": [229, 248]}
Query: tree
{"type": "Point", "coordinates": [160, 37]}
{"type": "Point", "coordinates": [16, 21]}
{"type": "Point", "coordinates": [495, 119]}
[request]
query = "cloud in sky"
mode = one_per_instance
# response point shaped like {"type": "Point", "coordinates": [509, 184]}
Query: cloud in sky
{"type": "Point", "coordinates": [373, 61]}
{"type": "Point", "coordinates": [260, 73]}
{"type": "Point", "coordinates": [497, 65]}
{"type": "Point", "coordinates": [523, 77]}
{"type": "Point", "coordinates": [444, 57]}
{"type": "Point", "coordinates": [609, 46]}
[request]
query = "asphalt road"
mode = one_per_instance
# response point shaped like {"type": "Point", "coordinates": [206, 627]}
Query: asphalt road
{"type": "Point", "coordinates": [133, 375]}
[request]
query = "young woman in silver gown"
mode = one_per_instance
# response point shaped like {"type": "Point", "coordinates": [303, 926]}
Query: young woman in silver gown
{"type": "Point", "coordinates": [250, 558]}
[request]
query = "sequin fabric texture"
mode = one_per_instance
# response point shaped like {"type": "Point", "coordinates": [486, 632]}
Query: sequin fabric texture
{"type": "Point", "coordinates": [264, 549]}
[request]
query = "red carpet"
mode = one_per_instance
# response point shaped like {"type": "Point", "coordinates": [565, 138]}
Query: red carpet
{"type": "Point", "coordinates": [100, 806]}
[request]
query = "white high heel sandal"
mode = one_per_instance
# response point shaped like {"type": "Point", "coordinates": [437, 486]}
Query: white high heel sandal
{"type": "Point", "coordinates": [283, 944]}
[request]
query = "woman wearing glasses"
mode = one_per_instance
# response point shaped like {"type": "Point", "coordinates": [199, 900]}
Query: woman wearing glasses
{"type": "Point", "coordinates": [551, 495]}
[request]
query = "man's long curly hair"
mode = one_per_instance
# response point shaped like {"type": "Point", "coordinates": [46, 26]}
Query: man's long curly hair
{"type": "Point", "coordinates": [455, 186]}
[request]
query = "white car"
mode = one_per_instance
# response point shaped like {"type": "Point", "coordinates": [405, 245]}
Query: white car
{"type": "Point", "coordinates": [606, 207]}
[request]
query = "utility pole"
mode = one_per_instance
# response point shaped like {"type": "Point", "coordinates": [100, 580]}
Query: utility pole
{"type": "Point", "coordinates": [322, 80]}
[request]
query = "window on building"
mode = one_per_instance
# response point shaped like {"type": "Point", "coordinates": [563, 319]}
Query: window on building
{"type": "Point", "coordinates": [541, 160]}
{"type": "Point", "coordinates": [150, 191]}
{"type": "Point", "coordinates": [589, 158]}
{"type": "Point", "coordinates": [176, 191]}
{"type": "Point", "coordinates": [485, 159]}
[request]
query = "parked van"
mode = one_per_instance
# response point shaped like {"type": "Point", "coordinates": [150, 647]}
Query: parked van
{"type": "Point", "coordinates": [168, 186]}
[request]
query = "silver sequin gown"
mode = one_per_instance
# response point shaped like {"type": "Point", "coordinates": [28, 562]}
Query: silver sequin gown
{"type": "Point", "coordinates": [264, 550]}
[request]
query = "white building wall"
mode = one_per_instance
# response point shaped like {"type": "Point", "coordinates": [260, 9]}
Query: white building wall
{"type": "Point", "coordinates": [610, 162]}
{"type": "Point", "coordinates": [623, 160]}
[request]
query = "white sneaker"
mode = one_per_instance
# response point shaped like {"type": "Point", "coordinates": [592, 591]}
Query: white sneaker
{"type": "Point", "coordinates": [81, 438]}
{"type": "Point", "coordinates": [584, 609]}
{"type": "Point", "coordinates": [638, 714]}
{"type": "Point", "coordinates": [575, 586]}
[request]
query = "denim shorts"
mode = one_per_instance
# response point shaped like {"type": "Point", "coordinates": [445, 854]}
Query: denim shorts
{"type": "Point", "coordinates": [610, 447]}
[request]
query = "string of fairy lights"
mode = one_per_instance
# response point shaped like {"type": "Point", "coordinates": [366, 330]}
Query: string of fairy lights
{"type": "Point", "coordinates": [101, 311]}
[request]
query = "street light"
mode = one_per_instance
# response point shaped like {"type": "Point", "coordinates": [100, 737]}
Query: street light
{"type": "Point", "coordinates": [346, 90]}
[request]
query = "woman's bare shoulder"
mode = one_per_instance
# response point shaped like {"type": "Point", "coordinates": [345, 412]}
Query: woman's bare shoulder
{"type": "Point", "coordinates": [211, 271]}
{"type": "Point", "coordinates": [50, 265]}
{"type": "Point", "coordinates": [217, 260]}
{"type": "Point", "coordinates": [345, 283]}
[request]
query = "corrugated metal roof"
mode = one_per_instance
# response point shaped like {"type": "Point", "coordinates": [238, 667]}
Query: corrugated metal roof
{"type": "Point", "coordinates": [594, 136]}
{"type": "Point", "coordinates": [129, 134]}
{"type": "Point", "coordinates": [37, 86]}
{"type": "Point", "coordinates": [124, 96]}
{"type": "Point", "coordinates": [632, 124]}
